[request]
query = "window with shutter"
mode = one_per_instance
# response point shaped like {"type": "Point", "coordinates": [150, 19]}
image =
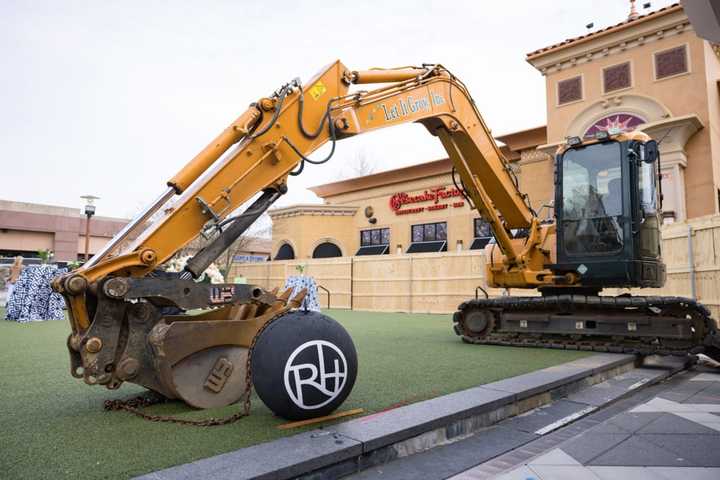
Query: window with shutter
{"type": "Point", "coordinates": [669, 63]}
{"type": "Point", "coordinates": [569, 90]}
{"type": "Point", "coordinates": [616, 77]}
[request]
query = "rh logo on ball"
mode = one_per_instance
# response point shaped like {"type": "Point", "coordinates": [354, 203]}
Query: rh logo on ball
{"type": "Point", "coordinates": [315, 374]}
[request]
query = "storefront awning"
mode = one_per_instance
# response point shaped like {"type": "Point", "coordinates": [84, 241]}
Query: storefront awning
{"type": "Point", "coordinates": [479, 243]}
{"type": "Point", "coordinates": [373, 250]}
{"type": "Point", "coordinates": [427, 247]}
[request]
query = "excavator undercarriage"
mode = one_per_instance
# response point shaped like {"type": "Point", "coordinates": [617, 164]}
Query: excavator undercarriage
{"type": "Point", "coordinates": [620, 324]}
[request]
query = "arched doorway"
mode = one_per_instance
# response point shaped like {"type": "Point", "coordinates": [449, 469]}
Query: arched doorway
{"type": "Point", "coordinates": [285, 252]}
{"type": "Point", "coordinates": [327, 250]}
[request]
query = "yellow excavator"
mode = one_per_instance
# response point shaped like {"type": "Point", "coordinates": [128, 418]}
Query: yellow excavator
{"type": "Point", "coordinates": [208, 345]}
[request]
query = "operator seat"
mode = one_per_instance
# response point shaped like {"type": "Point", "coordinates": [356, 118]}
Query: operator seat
{"type": "Point", "coordinates": [613, 200]}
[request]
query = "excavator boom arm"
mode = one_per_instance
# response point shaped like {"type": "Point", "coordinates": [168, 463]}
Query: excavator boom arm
{"type": "Point", "coordinates": [275, 135]}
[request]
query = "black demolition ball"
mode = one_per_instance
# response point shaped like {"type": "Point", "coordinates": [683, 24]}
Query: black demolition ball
{"type": "Point", "coordinates": [304, 365]}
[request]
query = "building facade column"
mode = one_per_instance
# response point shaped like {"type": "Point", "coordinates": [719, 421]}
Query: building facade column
{"type": "Point", "coordinates": [673, 134]}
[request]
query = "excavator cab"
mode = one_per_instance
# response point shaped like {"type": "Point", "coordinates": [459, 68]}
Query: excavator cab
{"type": "Point", "coordinates": [608, 211]}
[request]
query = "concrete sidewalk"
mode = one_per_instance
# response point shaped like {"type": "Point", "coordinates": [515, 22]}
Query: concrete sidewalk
{"type": "Point", "coordinates": [436, 426]}
{"type": "Point", "coordinates": [673, 434]}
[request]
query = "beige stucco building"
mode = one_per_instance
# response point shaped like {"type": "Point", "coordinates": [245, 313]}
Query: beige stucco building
{"type": "Point", "coordinates": [650, 72]}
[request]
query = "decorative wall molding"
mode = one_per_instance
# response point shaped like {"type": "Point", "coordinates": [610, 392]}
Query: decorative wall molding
{"type": "Point", "coordinates": [639, 105]}
{"type": "Point", "coordinates": [674, 133]}
{"type": "Point", "coordinates": [610, 44]}
{"type": "Point", "coordinates": [313, 210]}
{"type": "Point", "coordinates": [534, 156]}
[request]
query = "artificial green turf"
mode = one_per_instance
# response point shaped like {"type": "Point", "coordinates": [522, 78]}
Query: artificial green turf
{"type": "Point", "coordinates": [54, 426]}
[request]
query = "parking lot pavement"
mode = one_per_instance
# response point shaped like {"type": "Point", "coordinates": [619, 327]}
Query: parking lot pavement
{"type": "Point", "coordinates": [673, 433]}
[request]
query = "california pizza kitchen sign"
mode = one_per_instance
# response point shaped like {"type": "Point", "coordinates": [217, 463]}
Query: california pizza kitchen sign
{"type": "Point", "coordinates": [436, 195]}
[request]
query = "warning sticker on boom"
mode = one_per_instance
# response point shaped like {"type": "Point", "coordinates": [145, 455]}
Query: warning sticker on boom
{"type": "Point", "coordinates": [317, 90]}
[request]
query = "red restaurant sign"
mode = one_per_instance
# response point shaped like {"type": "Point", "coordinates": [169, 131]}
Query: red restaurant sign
{"type": "Point", "coordinates": [434, 195]}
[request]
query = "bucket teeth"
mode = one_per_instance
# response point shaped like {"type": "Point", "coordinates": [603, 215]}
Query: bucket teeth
{"type": "Point", "coordinates": [283, 297]}
{"type": "Point", "coordinates": [297, 300]}
{"type": "Point", "coordinates": [283, 301]}
{"type": "Point", "coordinates": [245, 311]}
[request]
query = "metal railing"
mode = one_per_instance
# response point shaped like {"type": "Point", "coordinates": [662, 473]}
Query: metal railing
{"type": "Point", "coordinates": [328, 294]}
{"type": "Point", "coordinates": [477, 295]}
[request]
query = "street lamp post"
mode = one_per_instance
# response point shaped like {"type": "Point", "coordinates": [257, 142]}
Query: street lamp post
{"type": "Point", "coordinates": [89, 212]}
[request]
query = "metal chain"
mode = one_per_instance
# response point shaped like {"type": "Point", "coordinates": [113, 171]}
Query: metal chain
{"type": "Point", "coordinates": [136, 405]}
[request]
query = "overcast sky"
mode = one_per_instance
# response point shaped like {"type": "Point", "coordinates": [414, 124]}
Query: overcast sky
{"type": "Point", "coordinates": [112, 98]}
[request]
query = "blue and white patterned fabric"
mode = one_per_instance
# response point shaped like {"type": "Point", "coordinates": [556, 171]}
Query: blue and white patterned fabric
{"type": "Point", "coordinates": [32, 299]}
{"type": "Point", "coordinates": [297, 283]}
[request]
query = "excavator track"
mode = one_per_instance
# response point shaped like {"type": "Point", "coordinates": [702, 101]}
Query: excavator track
{"type": "Point", "coordinates": [623, 324]}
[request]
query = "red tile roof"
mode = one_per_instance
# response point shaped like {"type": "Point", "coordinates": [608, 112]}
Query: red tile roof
{"type": "Point", "coordinates": [564, 43]}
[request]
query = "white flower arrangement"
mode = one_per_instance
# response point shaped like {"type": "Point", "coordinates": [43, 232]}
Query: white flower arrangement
{"type": "Point", "coordinates": [177, 264]}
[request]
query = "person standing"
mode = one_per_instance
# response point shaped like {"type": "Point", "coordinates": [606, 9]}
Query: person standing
{"type": "Point", "coordinates": [15, 271]}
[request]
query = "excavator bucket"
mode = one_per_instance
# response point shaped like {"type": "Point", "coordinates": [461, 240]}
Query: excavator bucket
{"type": "Point", "coordinates": [204, 361]}
{"type": "Point", "coordinates": [139, 334]}
{"type": "Point", "coordinates": [199, 343]}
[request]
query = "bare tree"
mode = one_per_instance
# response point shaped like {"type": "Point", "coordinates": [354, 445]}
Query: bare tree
{"type": "Point", "coordinates": [260, 229]}
{"type": "Point", "coordinates": [242, 244]}
{"type": "Point", "coordinates": [359, 167]}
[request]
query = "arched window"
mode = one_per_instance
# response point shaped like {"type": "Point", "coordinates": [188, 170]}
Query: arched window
{"type": "Point", "coordinates": [326, 250]}
{"type": "Point", "coordinates": [285, 252]}
{"type": "Point", "coordinates": [620, 122]}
